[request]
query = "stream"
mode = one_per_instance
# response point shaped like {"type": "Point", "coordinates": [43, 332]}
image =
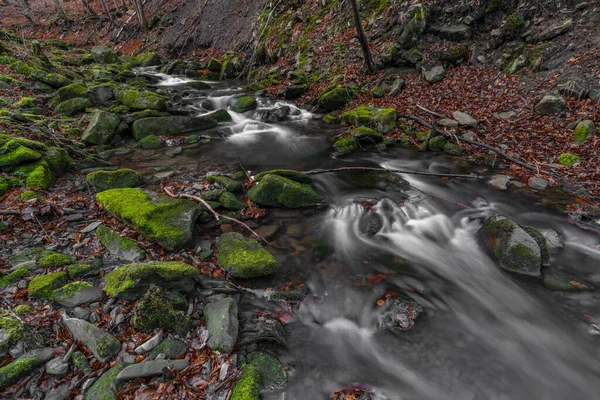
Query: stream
{"type": "Point", "coordinates": [483, 333]}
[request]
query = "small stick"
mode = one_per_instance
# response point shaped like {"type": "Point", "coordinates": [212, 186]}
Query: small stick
{"type": "Point", "coordinates": [400, 171]}
{"type": "Point", "coordinates": [435, 114]}
{"type": "Point", "coordinates": [245, 170]}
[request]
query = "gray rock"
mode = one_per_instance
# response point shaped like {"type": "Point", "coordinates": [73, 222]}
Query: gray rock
{"type": "Point", "coordinates": [59, 393]}
{"type": "Point", "coordinates": [170, 349]}
{"type": "Point", "coordinates": [464, 119]}
{"type": "Point", "coordinates": [204, 249]}
{"type": "Point", "coordinates": [101, 129]}
{"type": "Point", "coordinates": [84, 296]}
{"type": "Point", "coordinates": [435, 74]}
{"type": "Point", "coordinates": [455, 33]}
{"type": "Point", "coordinates": [449, 123]}
{"type": "Point", "coordinates": [554, 241]}
{"type": "Point", "coordinates": [150, 368]}
{"type": "Point", "coordinates": [537, 183]}
{"type": "Point", "coordinates": [554, 30]}
{"type": "Point", "coordinates": [122, 248]}
{"type": "Point", "coordinates": [397, 86]}
{"type": "Point", "coordinates": [550, 105]}
{"type": "Point", "coordinates": [222, 323]}
{"type": "Point", "coordinates": [499, 182]}
{"type": "Point", "coordinates": [102, 344]}
{"type": "Point", "coordinates": [17, 350]}
{"type": "Point", "coordinates": [400, 315]}
{"type": "Point", "coordinates": [150, 343]}
{"type": "Point", "coordinates": [104, 55]}
{"type": "Point", "coordinates": [57, 366]}
{"type": "Point", "coordinates": [107, 386]}
{"type": "Point", "coordinates": [91, 227]}
{"type": "Point", "coordinates": [506, 115]}
{"type": "Point", "coordinates": [584, 130]}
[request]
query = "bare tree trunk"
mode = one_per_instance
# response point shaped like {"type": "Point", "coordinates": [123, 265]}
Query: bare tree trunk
{"type": "Point", "coordinates": [364, 42]}
{"type": "Point", "coordinates": [107, 11]}
{"type": "Point", "coordinates": [86, 8]}
{"type": "Point", "coordinates": [59, 7]}
{"type": "Point", "coordinates": [139, 7]}
{"type": "Point", "coordinates": [24, 5]}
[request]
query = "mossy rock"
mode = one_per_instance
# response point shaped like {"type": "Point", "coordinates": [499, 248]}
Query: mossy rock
{"type": "Point", "coordinates": [12, 154]}
{"type": "Point", "coordinates": [272, 373]}
{"type": "Point", "coordinates": [173, 125]}
{"type": "Point", "coordinates": [138, 100]}
{"type": "Point", "coordinates": [364, 134]}
{"type": "Point", "coordinates": [121, 178]}
{"type": "Point", "coordinates": [155, 311]}
{"type": "Point", "coordinates": [228, 70]}
{"type": "Point", "coordinates": [437, 143]}
{"type": "Point", "coordinates": [25, 102]}
{"type": "Point", "coordinates": [170, 348]}
{"type": "Point", "coordinates": [58, 160]}
{"type": "Point", "coordinates": [131, 281]}
{"type": "Point", "coordinates": [107, 386]}
{"type": "Point", "coordinates": [120, 247]}
{"type": "Point", "coordinates": [22, 309]}
{"type": "Point", "coordinates": [198, 85]}
{"type": "Point", "coordinates": [275, 190]}
{"type": "Point", "coordinates": [53, 80]}
{"type": "Point", "coordinates": [286, 173]}
{"type": "Point", "coordinates": [72, 91]}
{"type": "Point", "coordinates": [332, 118]}
{"type": "Point", "coordinates": [453, 149]}
{"type": "Point", "coordinates": [42, 286]}
{"type": "Point", "coordinates": [214, 65]}
{"type": "Point", "coordinates": [334, 99]}
{"type": "Point", "coordinates": [81, 270]}
{"type": "Point", "coordinates": [14, 277]}
{"type": "Point", "coordinates": [243, 257]}
{"type": "Point", "coordinates": [221, 115]}
{"type": "Point", "coordinates": [101, 129]}
{"type": "Point", "coordinates": [148, 59]}
{"type": "Point", "coordinates": [54, 260]}
{"type": "Point", "coordinates": [20, 368]}
{"type": "Point", "coordinates": [70, 294]}
{"type": "Point", "coordinates": [4, 186]}
{"type": "Point", "coordinates": [13, 331]}
{"type": "Point", "coordinates": [104, 55]}
{"type": "Point", "coordinates": [39, 177]}
{"type": "Point", "coordinates": [248, 386]}
{"type": "Point", "coordinates": [21, 67]}
{"type": "Point", "coordinates": [244, 104]}
{"type": "Point", "coordinates": [345, 145]}
{"type": "Point", "coordinates": [229, 184]}
{"type": "Point", "coordinates": [167, 220]}
{"type": "Point", "coordinates": [73, 106]}
{"type": "Point", "coordinates": [383, 120]}
{"type": "Point", "coordinates": [149, 142]}
{"type": "Point", "coordinates": [568, 159]}
{"type": "Point", "coordinates": [230, 201]}
{"type": "Point", "coordinates": [584, 130]}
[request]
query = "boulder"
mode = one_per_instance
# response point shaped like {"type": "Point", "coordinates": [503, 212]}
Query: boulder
{"type": "Point", "coordinates": [71, 91]}
{"type": "Point", "coordinates": [437, 143]}
{"type": "Point", "coordinates": [243, 257]}
{"type": "Point", "coordinates": [397, 86]}
{"type": "Point", "coordinates": [464, 119]}
{"type": "Point", "coordinates": [584, 130]}
{"type": "Point", "coordinates": [383, 120]}
{"type": "Point", "coordinates": [173, 125]}
{"type": "Point", "coordinates": [23, 366]}
{"type": "Point", "coordinates": [244, 104]}
{"type": "Point", "coordinates": [120, 247]}
{"type": "Point", "coordinates": [131, 281]}
{"type": "Point", "coordinates": [554, 30]}
{"type": "Point", "coordinates": [537, 183]}
{"type": "Point", "coordinates": [101, 129]}
{"type": "Point", "coordinates": [142, 100]}
{"type": "Point", "coordinates": [155, 310]}
{"type": "Point", "coordinates": [151, 368]}
{"type": "Point", "coordinates": [435, 74]}
{"type": "Point", "coordinates": [286, 173]}
{"type": "Point", "coordinates": [76, 293]}
{"type": "Point", "coordinates": [272, 374]}
{"type": "Point", "coordinates": [119, 179]}
{"type": "Point", "coordinates": [366, 135]}
{"type": "Point", "coordinates": [334, 99]}
{"type": "Point", "coordinates": [274, 190]}
{"type": "Point", "coordinates": [455, 33]}
{"type": "Point", "coordinates": [12, 154]}
{"type": "Point", "coordinates": [107, 386]}
{"type": "Point", "coordinates": [43, 286]}
{"type": "Point", "coordinates": [57, 366]}
{"type": "Point", "coordinates": [230, 201]}
{"type": "Point", "coordinates": [518, 249]}
{"type": "Point", "coordinates": [73, 106]}
{"type": "Point", "coordinates": [101, 343]}
{"type": "Point", "coordinates": [550, 105]}
{"type": "Point", "coordinates": [101, 94]}
{"type": "Point", "coordinates": [148, 59]}
{"type": "Point", "coordinates": [167, 220]}
{"type": "Point", "coordinates": [149, 142]}
{"type": "Point", "coordinates": [55, 81]}
{"type": "Point", "coordinates": [222, 324]}
{"type": "Point", "coordinates": [345, 145]}
{"type": "Point", "coordinates": [294, 92]}
{"type": "Point", "coordinates": [104, 55]}
{"type": "Point", "coordinates": [170, 349]}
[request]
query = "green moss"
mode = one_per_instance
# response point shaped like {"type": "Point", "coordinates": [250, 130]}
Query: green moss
{"type": "Point", "coordinates": [334, 99]}
{"type": "Point", "coordinates": [272, 374]}
{"type": "Point", "coordinates": [248, 386]}
{"type": "Point", "coordinates": [40, 177]}
{"type": "Point", "coordinates": [541, 242]}
{"type": "Point", "coordinates": [568, 159]}
{"type": "Point", "coordinates": [221, 115]}
{"type": "Point", "coordinates": [121, 178]}
{"type": "Point", "coordinates": [42, 286]}
{"type": "Point", "coordinates": [69, 290]}
{"type": "Point", "coordinates": [583, 130]}
{"type": "Point", "coordinates": [30, 194]}
{"type": "Point", "coordinates": [515, 21]}
{"type": "Point", "coordinates": [21, 68]}
{"type": "Point", "coordinates": [132, 280]}
{"type": "Point", "coordinates": [366, 135]}
{"type": "Point", "coordinates": [286, 173]}
{"type": "Point", "coordinates": [274, 190]}
{"type": "Point", "coordinates": [244, 104]}
{"type": "Point", "coordinates": [382, 120]}
{"type": "Point", "coordinates": [73, 106]}
{"type": "Point", "coordinates": [331, 118]}
{"type": "Point", "coordinates": [378, 91]}
{"type": "Point", "coordinates": [437, 143]}
{"type": "Point", "coordinates": [15, 154]}
{"type": "Point", "coordinates": [58, 160]}
{"type": "Point", "coordinates": [79, 270]}
{"type": "Point", "coordinates": [22, 309]}
{"type": "Point", "coordinates": [54, 261]}
{"type": "Point", "coordinates": [25, 102]}
{"type": "Point", "coordinates": [149, 142]}
{"type": "Point", "coordinates": [230, 201]}
{"type": "Point", "coordinates": [11, 373]}
{"type": "Point", "coordinates": [80, 361]}
{"type": "Point", "coordinates": [229, 184]}
{"type": "Point", "coordinates": [346, 145]}
{"type": "Point", "coordinates": [155, 311]}
{"type": "Point", "coordinates": [107, 386]}
{"type": "Point", "coordinates": [244, 257]}
{"type": "Point", "coordinates": [14, 328]}
{"type": "Point", "coordinates": [118, 245]}
{"type": "Point", "coordinates": [137, 100]}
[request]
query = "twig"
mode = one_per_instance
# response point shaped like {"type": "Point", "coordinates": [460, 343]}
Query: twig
{"type": "Point", "coordinates": [441, 198]}
{"type": "Point", "coordinates": [9, 212]}
{"type": "Point", "coordinates": [473, 142]}
{"type": "Point", "coordinates": [400, 171]}
{"type": "Point", "coordinates": [438, 104]}
{"type": "Point", "coordinates": [217, 216]}
{"type": "Point", "coordinates": [41, 226]}
{"type": "Point", "coordinates": [246, 171]}
{"type": "Point", "coordinates": [430, 112]}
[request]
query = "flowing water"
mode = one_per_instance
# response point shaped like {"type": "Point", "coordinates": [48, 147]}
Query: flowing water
{"type": "Point", "coordinates": [484, 334]}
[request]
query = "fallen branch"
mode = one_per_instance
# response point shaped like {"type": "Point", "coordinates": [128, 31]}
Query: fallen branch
{"type": "Point", "coordinates": [435, 114]}
{"type": "Point", "coordinates": [217, 216]}
{"type": "Point", "coordinates": [473, 142]}
{"type": "Point", "coordinates": [400, 171]}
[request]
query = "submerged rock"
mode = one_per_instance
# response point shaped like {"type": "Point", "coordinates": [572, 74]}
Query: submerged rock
{"type": "Point", "coordinates": [275, 190]}
{"type": "Point", "coordinates": [243, 257]}
{"type": "Point", "coordinates": [131, 281]}
{"type": "Point", "coordinates": [517, 249]}
{"type": "Point", "coordinates": [559, 280]}
{"type": "Point", "coordinates": [101, 343]}
{"type": "Point", "coordinates": [159, 217]}
{"type": "Point", "coordinates": [383, 120]}
{"type": "Point", "coordinates": [173, 125]}
{"type": "Point", "coordinates": [401, 314]}
{"type": "Point", "coordinates": [222, 324]}
{"type": "Point", "coordinates": [156, 311]}
{"type": "Point", "coordinates": [244, 104]}
{"type": "Point", "coordinates": [119, 246]}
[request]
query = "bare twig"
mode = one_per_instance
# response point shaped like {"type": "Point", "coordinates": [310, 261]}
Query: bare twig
{"type": "Point", "coordinates": [435, 114]}
{"type": "Point", "coordinates": [246, 171]}
{"type": "Point", "coordinates": [9, 212]}
{"type": "Point", "coordinates": [217, 216]}
{"type": "Point", "coordinates": [400, 171]}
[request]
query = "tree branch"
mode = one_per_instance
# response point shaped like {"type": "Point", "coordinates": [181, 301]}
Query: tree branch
{"type": "Point", "coordinates": [400, 171]}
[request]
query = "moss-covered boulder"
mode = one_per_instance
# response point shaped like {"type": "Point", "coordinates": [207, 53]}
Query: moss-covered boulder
{"type": "Point", "coordinates": [149, 142]}
{"type": "Point", "coordinates": [101, 343]}
{"type": "Point", "coordinates": [22, 366]}
{"type": "Point", "coordinates": [221, 115]}
{"type": "Point", "coordinates": [286, 173]}
{"type": "Point", "coordinates": [383, 120]}
{"type": "Point", "coordinates": [275, 190]}
{"type": "Point", "coordinates": [51, 260]}
{"type": "Point", "coordinates": [173, 125]}
{"type": "Point", "coordinates": [167, 220]}
{"type": "Point", "coordinates": [53, 80]}
{"type": "Point", "coordinates": [584, 130]}
{"type": "Point", "coordinates": [243, 257]}
{"type": "Point", "coordinates": [345, 145]}
{"type": "Point", "coordinates": [214, 65]}
{"type": "Point", "coordinates": [272, 373]}
{"type": "Point", "coordinates": [29, 195]}
{"type": "Point", "coordinates": [132, 281]}
{"type": "Point", "coordinates": [437, 143]}
{"type": "Point", "coordinates": [229, 184]}
{"type": "Point", "coordinates": [517, 249]}
{"type": "Point", "coordinates": [39, 176]}
{"type": "Point", "coordinates": [148, 59]}
{"type": "Point", "coordinates": [248, 386]}
{"type": "Point", "coordinates": [13, 154]}
{"type": "Point", "coordinates": [12, 330]}
{"type": "Point", "coordinates": [568, 159]}
{"type": "Point", "coordinates": [72, 91]}
{"type": "Point", "coordinates": [222, 324]}
{"type": "Point", "coordinates": [334, 99]}
{"type": "Point", "coordinates": [104, 55]}
{"type": "Point", "coordinates": [230, 201]}
{"type": "Point", "coordinates": [244, 104]}
{"type": "Point", "coordinates": [76, 293]}
{"type": "Point", "coordinates": [13, 277]}
{"type": "Point", "coordinates": [58, 160]}
{"type": "Point", "coordinates": [101, 129]}
{"type": "Point", "coordinates": [73, 106]}
{"type": "Point", "coordinates": [156, 311]}
{"type": "Point", "coordinates": [42, 286]}
{"type": "Point", "coordinates": [121, 178]}
{"type": "Point", "coordinates": [364, 134]}
{"type": "Point", "coordinates": [120, 247]}
{"type": "Point", "coordinates": [107, 386]}
{"type": "Point", "coordinates": [142, 100]}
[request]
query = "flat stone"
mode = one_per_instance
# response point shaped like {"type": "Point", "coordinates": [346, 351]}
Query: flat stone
{"type": "Point", "coordinates": [506, 115]}
{"type": "Point", "coordinates": [74, 217]}
{"type": "Point", "coordinates": [537, 183]}
{"type": "Point", "coordinates": [57, 366]}
{"type": "Point", "coordinates": [397, 86]}
{"type": "Point", "coordinates": [450, 123]}
{"type": "Point", "coordinates": [465, 119]}
{"type": "Point", "coordinates": [150, 368]}
{"type": "Point", "coordinates": [164, 174]}
{"type": "Point", "coordinates": [101, 343]}
{"type": "Point", "coordinates": [59, 393]}
{"type": "Point", "coordinates": [499, 182]}
{"type": "Point", "coordinates": [434, 74]}
{"type": "Point", "coordinates": [222, 323]}
{"type": "Point", "coordinates": [150, 343]}
{"type": "Point", "coordinates": [91, 227]}
{"type": "Point", "coordinates": [85, 295]}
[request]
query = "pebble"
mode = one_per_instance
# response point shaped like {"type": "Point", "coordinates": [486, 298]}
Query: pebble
{"type": "Point", "coordinates": [537, 183]}
{"type": "Point", "coordinates": [74, 217]}
{"type": "Point", "coordinates": [499, 182]}
{"type": "Point", "coordinates": [450, 123]}
{"type": "Point", "coordinates": [59, 393]}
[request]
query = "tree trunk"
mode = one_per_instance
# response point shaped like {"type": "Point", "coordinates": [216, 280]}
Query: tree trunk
{"type": "Point", "coordinates": [364, 42]}
{"type": "Point", "coordinates": [24, 5]}
{"type": "Point", "coordinates": [107, 11]}
{"type": "Point", "coordinates": [86, 8]}
{"type": "Point", "coordinates": [139, 7]}
{"type": "Point", "coordinates": [60, 9]}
